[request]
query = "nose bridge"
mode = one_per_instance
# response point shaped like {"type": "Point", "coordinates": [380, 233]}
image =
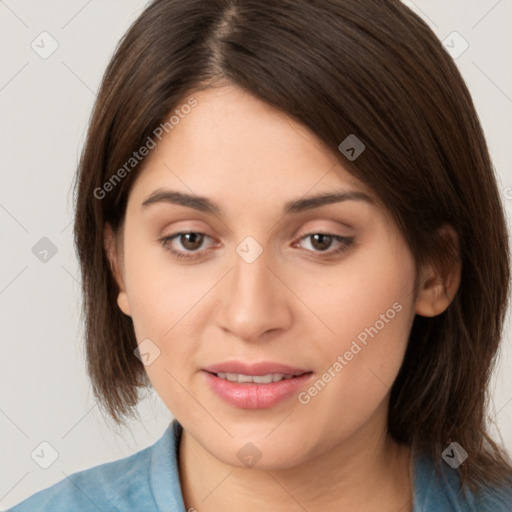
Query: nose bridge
{"type": "Point", "coordinates": [253, 302]}
{"type": "Point", "coordinates": [250, 279]}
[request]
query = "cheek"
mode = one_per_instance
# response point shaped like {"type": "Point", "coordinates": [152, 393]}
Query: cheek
{"type": "Point", "coordinates": [369, 310]}
{"type": "Point", "coordinates": [160, 292]}
{"type": "Point", "coordinates": [371, 289]}
{"type": "Point", "coordinates": [167, 308]}
{"type": "Point", "coordinates": [359, 367]}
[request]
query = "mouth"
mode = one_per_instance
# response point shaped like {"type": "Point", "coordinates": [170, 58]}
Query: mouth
{"type": "Point", "coordinates": [255, 386]}
{"type": "Point", "coordinates": [256, 379]}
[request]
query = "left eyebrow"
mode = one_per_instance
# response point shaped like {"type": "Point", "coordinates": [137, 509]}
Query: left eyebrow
{"type": "Point", "coordinates": [307, 203]}
{"type": "Point", "coordinates": [204, 204]}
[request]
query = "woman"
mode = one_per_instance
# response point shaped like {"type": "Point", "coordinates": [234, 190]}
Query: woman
{"type": "Point", "coordinates": [288, 224]}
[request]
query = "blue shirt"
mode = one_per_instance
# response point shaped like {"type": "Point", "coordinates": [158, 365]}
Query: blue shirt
{"type": "Point", "coordinates": [149, 481]}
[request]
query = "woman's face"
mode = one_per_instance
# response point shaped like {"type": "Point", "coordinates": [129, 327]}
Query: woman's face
{"type": "Point", "coordinates": [260, 292]}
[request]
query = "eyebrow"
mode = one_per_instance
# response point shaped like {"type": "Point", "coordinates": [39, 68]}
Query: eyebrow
{"type": "Point", "coordinates": [204, 204]}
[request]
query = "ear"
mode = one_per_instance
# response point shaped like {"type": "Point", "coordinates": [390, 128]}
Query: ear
{"type": "Point", "coordinates": [114, 256]}
{"type": "Point", "coordinates": [437, 286]}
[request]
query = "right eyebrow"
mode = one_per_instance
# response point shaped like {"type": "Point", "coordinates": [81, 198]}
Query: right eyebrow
{"type": "Point", "coordinates": [199, 203]}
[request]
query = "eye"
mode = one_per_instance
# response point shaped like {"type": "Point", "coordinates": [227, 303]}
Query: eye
{"type": "Point", "coordinates": [321, 242]}
{"type": "Point", "coordinates": [190, 241]}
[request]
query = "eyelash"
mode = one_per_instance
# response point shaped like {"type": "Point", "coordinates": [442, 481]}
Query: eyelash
{"type": "Point", "coordinates": [346, 243]}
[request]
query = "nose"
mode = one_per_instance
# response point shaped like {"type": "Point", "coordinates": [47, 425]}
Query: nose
{"type": "Point", "coordinates": [254, 301]}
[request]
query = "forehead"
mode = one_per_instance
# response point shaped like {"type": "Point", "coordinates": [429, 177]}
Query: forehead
{"type": "Point", "coordinates": [232, 145]}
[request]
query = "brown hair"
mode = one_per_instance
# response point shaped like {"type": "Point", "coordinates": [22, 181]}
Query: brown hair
{"type": "Point", "coordinates": [363, 67]}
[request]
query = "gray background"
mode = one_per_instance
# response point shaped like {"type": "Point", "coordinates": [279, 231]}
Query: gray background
{"type": "Point", "coordinates": [45, 106]}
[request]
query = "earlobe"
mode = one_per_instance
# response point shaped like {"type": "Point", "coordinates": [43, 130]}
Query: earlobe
{"type": "Point", "coordinates": [438, 286]}
{"type": "Point", "coordinates": [122, 302]}
{"type": "Point", "coordinates": [114, 258]}
{"type": "Point", "coordinates": [432, 299]}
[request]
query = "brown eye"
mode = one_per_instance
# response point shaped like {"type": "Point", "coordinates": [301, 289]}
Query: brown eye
{"type": "Point", "coordinates": [191, 241]}
{"type": "Point", "coordinates": [185, 245]}
{"type": "Point", "coordinates": [321, 243]}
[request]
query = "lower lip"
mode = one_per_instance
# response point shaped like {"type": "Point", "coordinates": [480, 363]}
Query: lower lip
{"type": "Point", "coordinates": [255, 396]}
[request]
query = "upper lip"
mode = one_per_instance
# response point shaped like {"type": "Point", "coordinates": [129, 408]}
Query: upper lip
{"type": "Point", "coordinates": [260, 368]}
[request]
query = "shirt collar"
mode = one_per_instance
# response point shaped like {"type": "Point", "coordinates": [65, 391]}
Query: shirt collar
{"type": "Point", "coordinates": [430, 491]}
{"type": "Point", "coordinates": [165, 478]}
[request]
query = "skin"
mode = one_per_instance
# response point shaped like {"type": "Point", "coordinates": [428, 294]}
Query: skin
{"type": "Point", "coordinates": [291, 305]}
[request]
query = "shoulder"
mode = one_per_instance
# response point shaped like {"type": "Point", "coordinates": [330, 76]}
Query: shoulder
{"type": "Point", "coordinates": [494, 500]}
{"type": "Point", "coordinates": [124, 484]}
{"type": "Point", "coordinates": [94, 488]}
{"type": "Point", "coordinates": [441, 492]}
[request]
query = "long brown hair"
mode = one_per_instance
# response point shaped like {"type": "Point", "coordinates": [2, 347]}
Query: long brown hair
{"type": "Point", "coordinates": [364, 67]}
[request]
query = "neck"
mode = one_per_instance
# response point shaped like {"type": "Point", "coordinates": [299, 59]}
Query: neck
{"type": "Point", "coordinates": [368, 472]}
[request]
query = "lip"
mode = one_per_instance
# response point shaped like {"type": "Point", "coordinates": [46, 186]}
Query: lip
{"type": "Point", "coordinates": [261, 368]}
{"type": "Point", "coordinates": [252, 395]}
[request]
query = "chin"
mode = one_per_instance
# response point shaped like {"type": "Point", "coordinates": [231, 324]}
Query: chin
{"type": "Point", "coordinates": [279, 451]}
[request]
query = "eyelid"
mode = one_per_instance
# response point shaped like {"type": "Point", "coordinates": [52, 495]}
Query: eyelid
{"type": "Point", "coordinates": [177, 234]}
{"type": "Point", "coordinates": [344, 244]}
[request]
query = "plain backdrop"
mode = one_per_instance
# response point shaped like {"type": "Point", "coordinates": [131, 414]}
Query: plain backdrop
{"type": "Point", "coordinates": [45, 106]}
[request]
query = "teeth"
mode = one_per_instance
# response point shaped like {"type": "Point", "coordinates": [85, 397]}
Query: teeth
{"type": "Point", "coordinates": [257, 379]}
